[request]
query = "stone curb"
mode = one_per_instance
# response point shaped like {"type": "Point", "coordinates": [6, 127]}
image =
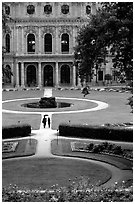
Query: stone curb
{"type": "Point", "coordinates": [106, 89]}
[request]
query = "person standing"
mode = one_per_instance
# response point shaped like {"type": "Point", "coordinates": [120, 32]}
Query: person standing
{"type": "Point", "coordinates": [44, 121]}
{"type": "Point", "coordinates": [49, 122]}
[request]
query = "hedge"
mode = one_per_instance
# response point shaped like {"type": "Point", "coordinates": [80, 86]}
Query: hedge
{"type": "Point", "coordinates": [19, 130]}
{"type": "Point", "coordinates": [96, 132]}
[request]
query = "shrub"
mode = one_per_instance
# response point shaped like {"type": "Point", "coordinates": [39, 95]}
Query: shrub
{"type": "Point", "coordinates": [96, 132]}
{"type": "Point", "coordinates": [90, 146]}
{"type": "Point", "coordinates": [19, 130]}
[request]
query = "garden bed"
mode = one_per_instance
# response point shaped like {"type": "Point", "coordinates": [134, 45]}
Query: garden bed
{"type": "Point", "coordinates": [25, 147]}
{"type": "Point", "coordinates": [63, 147]}
{"type": "Point", "coordinates": [103, 148]}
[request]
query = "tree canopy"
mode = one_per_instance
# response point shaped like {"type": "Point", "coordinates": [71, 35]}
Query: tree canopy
{"type": "Point", "coordinates": [5, 28]}
{"type": "Point", "coordinates": [109, 31]}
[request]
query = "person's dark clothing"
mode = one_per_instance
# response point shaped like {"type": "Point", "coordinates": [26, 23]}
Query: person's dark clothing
{"type": "Point", "coordinates": [49, 122]}
{"type": "Point", "coordinates": [85, 91]}
{"type": "Point", "coordinates": [44, 122]}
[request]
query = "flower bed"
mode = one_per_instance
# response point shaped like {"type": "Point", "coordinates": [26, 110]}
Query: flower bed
{"type": "Point", "coordinates": [102, 148]}
{"type": "Point", "coordinates": [9, 146]}
{"type": "Point", "coordinates": [24, 147]}
{"type": "Point", "coordinates": [75, 192]}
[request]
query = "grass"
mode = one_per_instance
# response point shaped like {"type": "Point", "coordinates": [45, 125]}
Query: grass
{"type": "Point", "coordinates": [25, 147]}
{"type": "Point", "coordinates": [62, 147]}
{"type": "Point", "coordinates": [46, 172]}
{"type": "Point", "coordinates": [117, 112]}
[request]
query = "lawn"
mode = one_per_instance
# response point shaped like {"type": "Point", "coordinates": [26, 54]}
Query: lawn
{"type": "Point", "coordinates": [34, 173]}
{"type": "Point", "coordinates": [62, 147]}
{"type": "Point", "coordinates": [25, 147]}
{"type": "Point", "coordinates": [117, 112]}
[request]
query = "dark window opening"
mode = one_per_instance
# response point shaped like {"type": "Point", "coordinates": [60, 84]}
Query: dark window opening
{"type": "Point", "coordinates": [7, 10]}
{"type": "Point", "coordinates": [48, 75]}
{"type": "Point", "coordinates": [65, 43]}
{"type": "Point", "coordinates": [88, 9]}
{"type": "Point", "coordinates": [19, 69]}
{"type": "Point", "coordinates": [48, 43]}
{"type": "Point", "coordinates": [31, 43]}
{"type": "Point", "coordinates": [65, 74]}
{"type": "Point", "coordinates": [7, 43]}
{"type": "Point", "coordinates": [48, 9]}
{"type": "Point", "coordinates": [7, 75]}
{"type": "Point", "coordinates": [31, 75]}
{"type": "Point", "coordinates": [100, 75]}
{"type": "Point", "coordinates": [30, 9]}
{"type": "Point", "coordinates": [65, 9]}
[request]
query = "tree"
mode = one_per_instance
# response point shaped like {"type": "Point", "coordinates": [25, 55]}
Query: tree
{"type": "Point", "coordinates": [90, 50]}
{"type": "Point", "coordinates": [5, 28]}
{"type": "Point", "coordinates": [120, 36]}
{"type": "Point", "coordinates": [110, 30]}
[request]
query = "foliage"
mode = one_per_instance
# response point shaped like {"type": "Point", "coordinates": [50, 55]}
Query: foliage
{"type": "Point", "coordinates": [108, 77]}
{"type": "Point", "coordinates": [16, 131]}
{"type": "Point", "coordinates": [106, 147]}
{"type": "Point", "coordinates": [96, 132]}
{"type": "Point", "coordinates": [109, 31]}
{"type": "Point", "coordinates": [5, 29]}
{"type": "Point", "coordinates": [76, 192]}
{"type": "Point", "coordinates": [130, 102]}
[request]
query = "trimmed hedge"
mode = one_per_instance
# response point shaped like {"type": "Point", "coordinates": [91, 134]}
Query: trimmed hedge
{"type": "Point", "coordinates": [13, 131]}
{"type": "Point", "coordinates": [96, 132]}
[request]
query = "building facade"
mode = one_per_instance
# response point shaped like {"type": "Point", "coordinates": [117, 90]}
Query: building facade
{"type": "Point", "coordinates": [40, 42]}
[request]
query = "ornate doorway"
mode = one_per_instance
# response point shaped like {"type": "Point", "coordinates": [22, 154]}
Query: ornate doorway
{"type": "Point", "coordinates": [48, 75]}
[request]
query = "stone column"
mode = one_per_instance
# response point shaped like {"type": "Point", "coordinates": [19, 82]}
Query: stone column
{"type": "Point", "coordinates": [39, 42]}
{"type": "Point", "coordinates": [74, 37]}
{"type": "Point", "coordinates": [17, 75]}
{"type": "Point", "coordinates": [74, 76]}
{"type": "Point", "coordinates": [39, 74]}
{"type": "Point", "coordinates": [22, 74]}
{"type": "Point", "coordinates": [56, 42]}
{"type": "Point", "coordinates": [17, 39]}
{"type": "Point", "coordinates": [79, 82]}
{"type": "Point", "coordinates": [22, 41]}
{"type": "Point", "coordinates": [57, 75]}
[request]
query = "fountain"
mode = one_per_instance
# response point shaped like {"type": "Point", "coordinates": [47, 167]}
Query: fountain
{"type": "Point", "coordinates": [47, 102]}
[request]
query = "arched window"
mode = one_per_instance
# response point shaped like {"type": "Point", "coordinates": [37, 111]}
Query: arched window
{"type": "Point", "coordinates": [7, 9]}
{"type": "Point", "coordinates": [65, 42]}
{"type": "Point", "coordinates": [65, 74]}
{"type": "Point", "coordinates": [31, 43]}
{"type": "Point", "coordinates": [31, 75]}
{"type": "Point", "coordinates": [48, 9]}
{"type": "Point", "coordinates": [88, 9]}
{"type": "Point", "coordinates": [48, 43]}
{"type": "Point", "coordinates": [65, 9]}
{"type": "Point", "coordinates": [30, 9]}
{"type": "Point", "coordinates": [48, 75]}
{"type": "Point", "coordinates": [7, 43]}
